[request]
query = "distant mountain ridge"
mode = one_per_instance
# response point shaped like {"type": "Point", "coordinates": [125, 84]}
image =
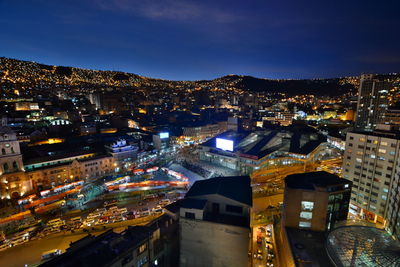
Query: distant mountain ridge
{"type": "Point", "coordinates": [27, 73]}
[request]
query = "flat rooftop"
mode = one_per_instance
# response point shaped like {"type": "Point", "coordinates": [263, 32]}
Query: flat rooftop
{"type": "Point", "coordinates": [311, 180]}
{"type": "Point", "coordinates": [237, 188]}
{"type": "Point", "coordinates": [308, 248]}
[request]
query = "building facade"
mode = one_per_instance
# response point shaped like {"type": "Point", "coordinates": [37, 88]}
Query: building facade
{"type": "Point", "coordinates": [12, 179]}
{"type": "Point", "coordinates": [17, 178]}
{"type": "Point", "coordinates": [203, 132]}
{"type": "Point", "coordinates": [315, 201]}
{"type": "Point", "coordinates": [10, 157]}
{"type": "Point", "coordinates": [214, 223]}
{"type": "Point", "coordinates": [249, 152]}
{"type": "Point", "coordinates": [372, 102]}
{"type": "Point", "coordinates": [392, 116]}
{"type": "Point", "coordinates": [370, 161]}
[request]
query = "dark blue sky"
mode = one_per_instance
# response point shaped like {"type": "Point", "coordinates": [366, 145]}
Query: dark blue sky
{"type": "Point", "coordinates": [183, 39]}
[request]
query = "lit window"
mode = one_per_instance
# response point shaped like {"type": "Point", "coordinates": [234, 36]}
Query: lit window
{"type": "Point", "coordinates": [307, 205]}
{"type": "Point", "coordinates": [359, 153]}
{"type": "Point", "coordinates": [375, 142]}
{"type": "Point", "coordinates": [306, 215]}
{"type": "Point", "coordinates": [384, 143]}
{"type": "Point", "coordinates": [382, 150]}
{"type": "Point", "coordinates": [362, 139]}
{"type": "Point", "coordinates": [142, 248]}
{"type": "Point", "coordinates": [305, 224]}
{"type": "Point", "coordinates": [358, 160]}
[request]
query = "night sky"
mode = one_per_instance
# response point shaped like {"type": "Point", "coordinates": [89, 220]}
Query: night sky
{"type": "Point", "coordinates": [189, 40]}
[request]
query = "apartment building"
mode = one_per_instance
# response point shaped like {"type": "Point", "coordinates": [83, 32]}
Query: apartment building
{"type": "Point", "coordinates": [393, 210]}
{"type": "Point", "coordinates": [372, 102]}
{"type": "Point", "coordinates": [370, 163]}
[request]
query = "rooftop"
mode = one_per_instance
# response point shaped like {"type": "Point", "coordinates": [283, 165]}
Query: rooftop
{"type": "Point", "coordinates": [383, 130]}
{"type": "Point", "coordinates": [235, 187]}
{"type": "Point", "coordinates": [191, 203]}
{"type": "Point", "coordinates": [307, 248]}
{"type": "Point", "coordinates": [362, 246]}
{"type": "Point", "coordinates": [174, 206]}
{"type": "Point", "coordinates": [101, 250]}
{"type": "Point", "coordinates": [310, 180]}
{"type": "Point", "coordinates": [296, 139]}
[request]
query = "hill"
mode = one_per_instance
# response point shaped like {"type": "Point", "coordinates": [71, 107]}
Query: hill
{"type": "Point", "coordinates": [31, 74]}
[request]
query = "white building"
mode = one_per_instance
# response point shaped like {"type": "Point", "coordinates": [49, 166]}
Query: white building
{"type": "Point", "coordinates": [370, 163]}
{"type": "Point", "coordinates": [122, 151]}
{"type": "Point", "coordinates": [214, 223]}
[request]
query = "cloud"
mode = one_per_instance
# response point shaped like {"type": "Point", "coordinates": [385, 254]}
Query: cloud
{"type": "Point", "coordinates": [182, 10]}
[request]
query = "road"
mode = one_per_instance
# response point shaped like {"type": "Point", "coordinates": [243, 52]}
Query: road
{"type": "Point", "coordinates": [262, 247]}
{"type": "Point", "coordinates": [31, 252]}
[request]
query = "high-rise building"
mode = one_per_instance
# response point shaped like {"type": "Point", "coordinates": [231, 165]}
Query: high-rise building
{"type": "Point", "coordinates": [372, 102]}
{"type": "Point", "coordinates": [315, 200]}
{"type": "Point", "coordinates": [393, 205]}
{"type": "Point", "coordinates": [214, 222]}
{"type": "Point", "coordinates": [392, 116]}
{"type": "Point", "coordinates": [370, 163]}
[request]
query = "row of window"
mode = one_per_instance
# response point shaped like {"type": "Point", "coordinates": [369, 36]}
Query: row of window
{"type": "Point", "coordinates": [371, 198]}
{"type": "Point", "coordinates": [375, 142]}
{"type": "Point", "coordinates": [6, 168]}
{"type": "Point", "coordinates": [3, 151]}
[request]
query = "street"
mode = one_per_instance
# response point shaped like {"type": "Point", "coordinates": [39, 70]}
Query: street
{"type": "Point", "coordinates": [263, 246]}
{"type": "Point", "coordinates": [31, 252]}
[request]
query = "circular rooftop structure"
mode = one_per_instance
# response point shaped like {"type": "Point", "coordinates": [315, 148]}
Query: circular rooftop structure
{"type": "Point", "coordinates": [362, 246]}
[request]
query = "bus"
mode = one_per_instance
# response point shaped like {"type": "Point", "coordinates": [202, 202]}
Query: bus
{"type": "Point", "coordinates": [51, 254]}
{"type": "Point", "coordinates": [56, 222]}
{"type": "Point", "coordinates": [75, 221]}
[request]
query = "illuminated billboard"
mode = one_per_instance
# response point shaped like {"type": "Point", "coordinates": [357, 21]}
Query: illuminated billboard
{"type": "Point", "coordinates": [224, 144]}
{"type": "Point", "coordinates": [164, 135]}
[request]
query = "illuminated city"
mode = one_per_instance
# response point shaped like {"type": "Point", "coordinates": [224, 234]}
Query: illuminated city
{"type": "Point", "coordinates": [127, 141]}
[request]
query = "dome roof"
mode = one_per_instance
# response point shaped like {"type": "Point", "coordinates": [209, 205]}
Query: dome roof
{"type": "Point", "coordinates": [362, 246]}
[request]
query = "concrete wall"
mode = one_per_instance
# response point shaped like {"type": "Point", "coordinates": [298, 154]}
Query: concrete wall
{"type": "Point", "coordinates": [197, 213]}
{"type": "Point", "coordinates": [210, 244]}
{"type": "Point", "coordinates": [223, 201]}
{"type": "Point", "coordinates": [293, 207]}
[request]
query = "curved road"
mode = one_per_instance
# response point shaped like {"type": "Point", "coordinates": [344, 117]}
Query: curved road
{"type": "Point", "coordinates": [31, 252]}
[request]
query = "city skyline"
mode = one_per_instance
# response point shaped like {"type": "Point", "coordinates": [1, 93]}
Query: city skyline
{"type": "Point", "coordinates": [188, 40]}
{"type": "Point", "coordinates": [199, 133]}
